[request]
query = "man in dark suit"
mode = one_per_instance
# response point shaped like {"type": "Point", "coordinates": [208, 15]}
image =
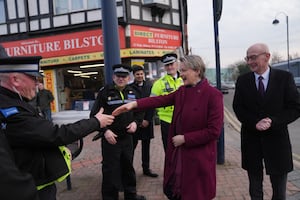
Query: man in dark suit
{"type": "Point", "coordinates": [145, 131]}
{"type": "Point", "coordinates": [265, 106]}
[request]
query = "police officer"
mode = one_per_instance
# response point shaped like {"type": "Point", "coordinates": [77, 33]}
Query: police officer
{"type": "Point", "coordinates": [15, 185]}
{"type": "Point", "coordinates": [165, 85]}
{"type": "Point", "coordinates": [11, 177]}
{"type": "Point", "coordinates": [117, 148]}
{"type": "Point", "coordinates": [145, 131]}
{"type": "Point", "coordinates": [34, 140]}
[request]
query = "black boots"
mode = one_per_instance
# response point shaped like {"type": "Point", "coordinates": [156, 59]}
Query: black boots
{"type": "Point", "coordinates": [149, 173]}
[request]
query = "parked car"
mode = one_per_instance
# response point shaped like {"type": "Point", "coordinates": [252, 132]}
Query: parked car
{"type": "Point", "coordinates": [229, 84]}
{"type": "Point", "coordinates": [223, 89]}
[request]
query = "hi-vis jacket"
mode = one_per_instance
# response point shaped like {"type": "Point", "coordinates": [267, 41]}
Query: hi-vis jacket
{"type": "Point", "coordinates": [109, 97]}
{"type": "Point", "coordinates": [34, 140]}
{"type": "Point", "coordinates": [163, 86]}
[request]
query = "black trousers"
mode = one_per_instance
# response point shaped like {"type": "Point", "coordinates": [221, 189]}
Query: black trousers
{"type": "Point", "coordinates": [145, 152]}
{"type": "Point", "coordinates": [117, 169]}
{"type": "Point", "coordinates": [164, 128]}
{"type": "Point", "coordinates": [278, 182]}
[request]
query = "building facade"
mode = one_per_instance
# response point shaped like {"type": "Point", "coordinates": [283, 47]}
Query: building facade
{"type": "Point", "coordinates": [68, 35]}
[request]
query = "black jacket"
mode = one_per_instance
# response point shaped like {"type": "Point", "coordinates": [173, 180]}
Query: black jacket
{"type": "Point", "coordinates": [144, 91]}
{"type": "Point", "coordinates": [44, 98]}
{"type": "Point", "coordinates": [281, 103]}
{"type": "Point", "coordinates": [110, 98]}
{"type": "Point", "coordinates": [35, 140]}
{"type": "Point", "coordinates": [15, 185]}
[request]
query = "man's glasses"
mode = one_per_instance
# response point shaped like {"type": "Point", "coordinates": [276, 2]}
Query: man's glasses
{"type": "Point", "coordinates": [253, 57]}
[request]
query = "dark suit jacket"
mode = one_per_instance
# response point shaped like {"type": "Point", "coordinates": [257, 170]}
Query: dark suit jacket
{"type": "Point", "coordinates": [281, 104]}
{"type": "Point", "coordinates": [144, 133]}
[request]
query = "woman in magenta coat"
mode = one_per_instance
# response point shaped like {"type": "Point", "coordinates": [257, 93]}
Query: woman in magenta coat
{"type": "Point", "coordinates": [190, 163]}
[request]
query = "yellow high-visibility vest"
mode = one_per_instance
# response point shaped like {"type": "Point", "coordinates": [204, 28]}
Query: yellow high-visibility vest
{"type": "Point", "coordinates": [163, 86]}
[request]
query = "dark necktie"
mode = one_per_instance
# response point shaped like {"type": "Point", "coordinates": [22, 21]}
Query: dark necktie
{"type": "Point", "coordinates": [261, 87]}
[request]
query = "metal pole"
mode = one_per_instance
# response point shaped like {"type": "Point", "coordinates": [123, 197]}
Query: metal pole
{"type": "Point", "coordinates": [183, 20]}
{"type": "Point", "coordinates": [220, 144]}
{"type": "Point", "coordinates": [111, 37]}
{"type": "Point", "coordinates": [276, 21]}
{"type": "Point", "coordinates": [288, 43]}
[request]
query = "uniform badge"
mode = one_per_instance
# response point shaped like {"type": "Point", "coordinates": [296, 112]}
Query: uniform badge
{"type": "Point", "coordinates": [6, 112]}
{"type": "Point", "coordinates": [131, 96]}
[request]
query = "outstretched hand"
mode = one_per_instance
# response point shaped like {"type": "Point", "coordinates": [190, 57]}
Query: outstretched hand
{"type": "Point", "coordinates": [104, 119]}
{"type": "Point", "coordinates": [124, 108]}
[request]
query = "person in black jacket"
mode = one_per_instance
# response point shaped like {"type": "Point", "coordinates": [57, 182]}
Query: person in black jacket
{"type": "Point", "coordinates": [11, 177]}
{"type": "Point", "coordinates": [145, 131]}
{"type": "Point", "coordinates": [117, 147]}
{"type": "Point", "coordinates": [266, 101]}
{"type": "Point", "coordinates": [34, 140]}
{"type": "Point", "coordinates": [15, 185]}
{"type": "Point", "coordinates": [44, 99]}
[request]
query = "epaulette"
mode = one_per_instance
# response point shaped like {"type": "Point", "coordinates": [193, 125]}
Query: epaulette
{"type": "Point", "coordinates": [101, 89]}
{"type": "Point", "coordinates": [6, 112]}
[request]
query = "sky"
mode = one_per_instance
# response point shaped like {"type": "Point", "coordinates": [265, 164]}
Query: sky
{"type": "Point", "coordinates": [243, 23]}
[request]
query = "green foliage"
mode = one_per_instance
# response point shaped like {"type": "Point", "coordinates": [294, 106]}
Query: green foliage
{"type": "Point", "coordinates": [240, 68]}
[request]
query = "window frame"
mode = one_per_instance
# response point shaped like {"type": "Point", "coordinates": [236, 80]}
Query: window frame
{"type": "Point", "coordinates": [3, 12]}
{"type": "Point", "coordinates": [70, 5]}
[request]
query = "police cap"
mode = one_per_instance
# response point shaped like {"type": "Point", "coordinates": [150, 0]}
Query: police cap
{"type": "Point", "coordinates": [23, 64]}
{"type": "Point", "coordinates": [121, 69]}
{"type": "Point", "coordinates": [169, 58]}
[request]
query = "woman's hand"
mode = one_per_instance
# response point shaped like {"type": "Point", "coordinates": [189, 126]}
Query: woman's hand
{"type": "Point", "coordinates": [178, 140]}
{"type": "Point", "coordinates": [124, 108]}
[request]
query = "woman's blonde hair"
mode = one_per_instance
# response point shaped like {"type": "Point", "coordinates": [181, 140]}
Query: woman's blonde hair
{"type": "Point", "coordinates": [194, 62]}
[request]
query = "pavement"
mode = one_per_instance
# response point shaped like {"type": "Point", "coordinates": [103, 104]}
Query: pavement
{"type": "Point", "coordinates": [232, 181]}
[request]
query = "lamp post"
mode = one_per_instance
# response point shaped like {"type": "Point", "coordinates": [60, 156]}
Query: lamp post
{"type": "Point", "coordinates": [217, 8]}
{"type": "Point", "coordinates": [275, 22]}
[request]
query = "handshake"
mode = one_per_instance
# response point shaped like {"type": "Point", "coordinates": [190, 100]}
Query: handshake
{"type": "Point", "coordinates": [106, 120]}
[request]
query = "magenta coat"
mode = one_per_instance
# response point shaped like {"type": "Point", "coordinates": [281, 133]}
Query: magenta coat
{"type": "Point", "coordinates": [199, 110]}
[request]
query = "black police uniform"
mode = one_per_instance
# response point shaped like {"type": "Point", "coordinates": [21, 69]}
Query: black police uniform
{"type": "Point", "coordinates": [144, 134]}
{"type": "Point", "coordinates": [35, 140]}
{"type": "Point", "coordinates": [11, 178]}
{"type": "Point", "coordinates": [117, 164]}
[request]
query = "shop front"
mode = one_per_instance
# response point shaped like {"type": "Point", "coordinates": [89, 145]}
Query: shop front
{"type": "Point", "coordinates": [73, 64]}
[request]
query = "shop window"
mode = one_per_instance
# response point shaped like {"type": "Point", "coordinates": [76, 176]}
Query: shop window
{"type": "Point", "coordinates": [159, 2]}
{"type": "Point", "coordinates": [2, 12]}
{"type": "Point", "coordinates": [67, 6]}
{"type": "Point", "coordinates": [77, 5]}
{"type": "Point", "coordinates": [80, 85]}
